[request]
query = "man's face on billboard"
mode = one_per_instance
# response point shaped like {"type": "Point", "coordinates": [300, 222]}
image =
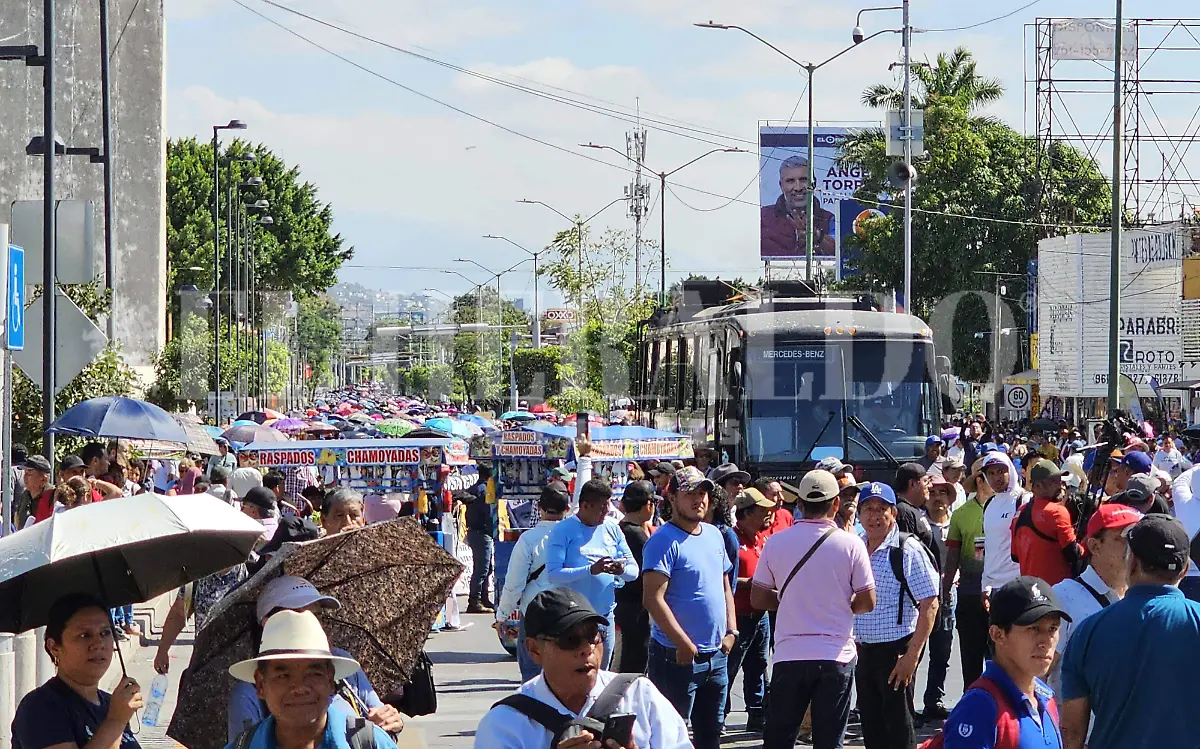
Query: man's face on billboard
{"type": "Point", "coordinates": [793, 181]}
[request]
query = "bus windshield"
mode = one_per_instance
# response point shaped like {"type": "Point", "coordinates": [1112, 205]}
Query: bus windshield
{"type": "Point", "coordinates": [799, 396]}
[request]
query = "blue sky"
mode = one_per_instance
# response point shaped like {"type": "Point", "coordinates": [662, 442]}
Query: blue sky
{"type": "Point", "coordinates": [415, 185]}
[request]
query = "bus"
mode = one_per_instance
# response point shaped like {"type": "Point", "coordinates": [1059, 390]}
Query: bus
{"type": "Point", "coordinates": [778, 382]}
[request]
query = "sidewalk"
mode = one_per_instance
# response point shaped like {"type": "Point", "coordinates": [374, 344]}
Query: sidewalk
{"type": "Point", "coordinates": [139, 663]}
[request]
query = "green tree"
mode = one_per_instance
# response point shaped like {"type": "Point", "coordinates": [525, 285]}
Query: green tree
{"type": "Point", "coordinates": [319, 335]}
{"type": "Point", "coordinates": [980, 185]}
{"type": "Point", "coordinates": [298, 252]}
{"type": "Point", "coordinates": [601, 353]}
{"type": "Point", "coordinates": [954, 76]}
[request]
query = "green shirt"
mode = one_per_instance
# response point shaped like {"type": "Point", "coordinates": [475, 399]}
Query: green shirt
{"type": "Point", "coordinates": [966, 526]}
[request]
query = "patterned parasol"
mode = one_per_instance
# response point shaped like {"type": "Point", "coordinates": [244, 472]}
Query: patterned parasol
{"type": "Point", "coordinates": [391, 579]}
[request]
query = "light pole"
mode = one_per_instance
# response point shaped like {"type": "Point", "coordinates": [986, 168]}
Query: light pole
{"type": "Point", "coordinates": [216, 217]}
{"type": "Point", "coordinates": [662, 212]}
{"type": "Point", "coordinates": [1114, 266]}
{"type": "Point", "coordinates": [537, 312]}
{"type": "Point", "coordinates": [810, 69]}
{"type": "Point", "coordinates": [579, 224]}
{"type": "Point", "coordinates": [499, 311]}
{"type": "Point", "coordinates": [478, 287]}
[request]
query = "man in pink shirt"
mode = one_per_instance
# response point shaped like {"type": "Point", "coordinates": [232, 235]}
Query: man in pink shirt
{"type": "Point", "coordinates": [818, 577]}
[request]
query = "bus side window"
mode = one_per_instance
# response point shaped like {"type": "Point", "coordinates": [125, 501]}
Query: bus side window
{"type": "Point", "coordinates": [654, 392]}
{"type": "Point", "coordinates": [702, 389]}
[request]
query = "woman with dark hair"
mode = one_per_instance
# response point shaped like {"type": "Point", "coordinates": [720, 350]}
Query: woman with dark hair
{"type": "Point", "coordinates": [718, 515]}
{"type": "Point", "coordinates": [70, 711]}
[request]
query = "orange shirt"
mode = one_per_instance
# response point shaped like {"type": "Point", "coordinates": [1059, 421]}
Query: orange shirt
{"type": "Point", "coordinates": [1040, 553]}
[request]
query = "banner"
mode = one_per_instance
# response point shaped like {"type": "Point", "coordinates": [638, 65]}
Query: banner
{"type": "Point", "coordinates": [783, 185]}
{"type": "Point", "coordinates": [360, 453]}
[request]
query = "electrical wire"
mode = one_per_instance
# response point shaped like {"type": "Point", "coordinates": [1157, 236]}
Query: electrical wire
{"type": "Point", "coordinates": [665, 124]}
{"type": "Point", "coordinates": [1010, 14]}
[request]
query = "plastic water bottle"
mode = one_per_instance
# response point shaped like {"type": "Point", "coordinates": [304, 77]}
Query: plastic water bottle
{"type": "Point", "coordinates": [158, 693]}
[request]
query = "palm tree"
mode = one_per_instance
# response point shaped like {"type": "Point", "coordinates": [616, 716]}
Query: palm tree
{"type": "Point", "coordinates": [953, 77]}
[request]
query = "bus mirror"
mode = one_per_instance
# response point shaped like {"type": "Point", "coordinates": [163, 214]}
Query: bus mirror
{"type": "Point", "coordinates": [952, 394]}
{"type": "Point", "coordinates": [943, 366]}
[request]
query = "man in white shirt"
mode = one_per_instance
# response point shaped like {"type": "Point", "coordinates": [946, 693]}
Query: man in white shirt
{"type": "Point", "coordinates": [1102, 583]}
{"type": "Point", "coordinates": [526, 576]}
{"type": "Point", "coordinates": [563, 635]}
{"type": "Point", "coordinates": [1186, 504]}
{"type": "Point", "coordinates": [998, 513]}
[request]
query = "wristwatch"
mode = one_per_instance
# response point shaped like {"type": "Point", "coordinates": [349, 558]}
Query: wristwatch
{"type": "Point", "coordinates": [733, 632]}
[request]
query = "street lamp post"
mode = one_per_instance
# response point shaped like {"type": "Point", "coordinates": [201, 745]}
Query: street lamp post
{"type": "Point", "coordinates": [662, 212]}
{"type": "Point", "coordinates": [578, 236]}
{"type": "Point", "coordinates": [810, 69]}
{"type": "Point", "coordinates": [537, 312]}
{"type": "Point", "coordinates": [216, 218]}
{"type": "Point", "coordinates": [499, 311]}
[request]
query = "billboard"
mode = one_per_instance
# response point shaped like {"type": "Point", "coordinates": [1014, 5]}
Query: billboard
{"type": "Point", "coordinates": [1091, 39]}
{"type": "Point", "coordinates": [783, 182]}
{"type": "Point", "coordinates": [1073, 311]}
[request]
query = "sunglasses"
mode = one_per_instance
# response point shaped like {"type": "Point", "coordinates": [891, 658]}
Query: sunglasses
{"type": "Point", "coordinates": [576, 638]}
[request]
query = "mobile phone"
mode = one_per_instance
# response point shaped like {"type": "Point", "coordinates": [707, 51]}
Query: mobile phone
{"type": "Point", "coordinates": [581, 424]}
{"type": "Point", "coordinates": [619, 728]}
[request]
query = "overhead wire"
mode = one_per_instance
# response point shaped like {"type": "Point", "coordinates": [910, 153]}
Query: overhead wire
{"type": "Point", "coordinates": [1010, 14]}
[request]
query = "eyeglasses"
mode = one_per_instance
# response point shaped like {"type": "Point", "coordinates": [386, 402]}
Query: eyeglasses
{"type": "Point", "coordinates": [575, 638]}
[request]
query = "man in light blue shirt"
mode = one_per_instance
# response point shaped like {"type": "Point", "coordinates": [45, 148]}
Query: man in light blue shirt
{"type": "Point", "coordinates": [526, 575]}
{"type": "Point", "coordinates": [588, 553]}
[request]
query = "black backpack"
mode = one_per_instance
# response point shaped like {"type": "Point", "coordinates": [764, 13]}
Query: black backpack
{"type": "Point", "coordinates": [896, 560]}
{"type": "Point", "coordinates": [360, 734]}
{"type": "Point", "coordinates": [420, 693]}
{"type": "Point", "coordinates": [557, 723]}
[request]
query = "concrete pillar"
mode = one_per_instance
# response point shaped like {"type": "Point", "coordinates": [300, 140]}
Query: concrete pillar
{"type": "Point", "coordinates": [8, 690]}
{"type": "Point", "coordinates": [24, 664]}
{"type": "Point", "coordinates": [45, 666]}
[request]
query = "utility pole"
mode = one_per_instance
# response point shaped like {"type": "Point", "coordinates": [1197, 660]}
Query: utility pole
{"type": "Point", "coordinates": [637, 193]}
{"type": "Point", "coordinates": [1114, 266]}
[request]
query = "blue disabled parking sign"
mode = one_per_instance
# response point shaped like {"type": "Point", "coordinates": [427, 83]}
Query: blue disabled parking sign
{"type": "Point", "coordinates": [14, 339]}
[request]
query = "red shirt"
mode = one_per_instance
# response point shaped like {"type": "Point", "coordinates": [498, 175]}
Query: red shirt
{"type": "Point", "coordinates": [749, 552]}
{"type": "Point", "coordinates": [780, 521]}
{"type": "Point", "coordinates": [1044, 557]}
{"type": "Point", "coordinates": [43, 507]}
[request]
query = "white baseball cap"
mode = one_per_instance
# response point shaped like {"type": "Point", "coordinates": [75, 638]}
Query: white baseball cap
{"type": "Point", "coordinates": [292, 593]}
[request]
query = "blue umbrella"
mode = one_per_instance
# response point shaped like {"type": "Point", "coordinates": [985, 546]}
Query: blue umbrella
{"type": "Point", "coordinates": [121, 418]}
{"type": "Point", "coordinates": [479, 421]}
{"type": "Point", "coordinates": [518, 416]}
{"type": "Point", "coordinates": [213, 431]}
{"type": "Point", "coordinates": [450, 426]}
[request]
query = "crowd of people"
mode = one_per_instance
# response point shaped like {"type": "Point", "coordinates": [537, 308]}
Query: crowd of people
{"type": "Point", "coordinates": [639, 612]}
{"type": "Point", "coordinates": [839, 589]}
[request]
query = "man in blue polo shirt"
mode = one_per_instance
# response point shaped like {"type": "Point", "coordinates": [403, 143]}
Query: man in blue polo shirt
{"type": "Point", "coordinates": [1133, 665]}
{"type": "Point", "coordinates": [1010, 707]}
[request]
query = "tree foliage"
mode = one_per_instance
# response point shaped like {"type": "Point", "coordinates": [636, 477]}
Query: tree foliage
{"type": "Point", "coordinates": [575, 400]}
{"type": "Point", "coordinates": [980, 185]}
{"type": "Point", "coordinates": [538, 371]}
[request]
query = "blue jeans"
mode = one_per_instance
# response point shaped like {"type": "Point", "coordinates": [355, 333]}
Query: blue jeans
{"type": "Point", "coordinates": [826, 686]}
{"type": "Point", "coordinates": [697, 690]}
{"type": "Point", "coordinates": [481, 566]}
{"type": "Point", "coordinates": [941, 640]}
{"type": "Point", "coordinates": [122, 616]}
{"type": "Point", "coordinates": [529, 669]}
{"type": "Point", "coordinates": [610, 641]}
{"type": "Point", "coordinates": [750, 653]}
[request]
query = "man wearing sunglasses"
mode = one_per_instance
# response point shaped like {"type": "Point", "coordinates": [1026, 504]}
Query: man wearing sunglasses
{"type": "Point", "coordinates": [562, 632]}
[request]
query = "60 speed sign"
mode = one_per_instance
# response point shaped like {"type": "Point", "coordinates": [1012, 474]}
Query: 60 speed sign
{"type": "Point", "coordinates": [1017, 397]}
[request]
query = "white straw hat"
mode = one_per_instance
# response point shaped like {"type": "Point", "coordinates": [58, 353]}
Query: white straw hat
{"type": "Point", "coordinates": [293, 635]}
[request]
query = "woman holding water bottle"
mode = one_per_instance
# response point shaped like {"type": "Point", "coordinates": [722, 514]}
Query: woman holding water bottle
{"type": "Point", "coordinates": [70, 711]}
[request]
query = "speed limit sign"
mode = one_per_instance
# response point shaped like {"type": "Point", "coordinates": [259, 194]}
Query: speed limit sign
{"type": "Point", "coordinates": [1017, 397]}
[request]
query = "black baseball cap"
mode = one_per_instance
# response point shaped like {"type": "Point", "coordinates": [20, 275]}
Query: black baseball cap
{"type": "Point", "coordinates": [38, 463]}
{"type": "Point", "coordinates": [1024, 601]}
{"type": "Point", "coordinates": [261, 497]}
{"type": "Point", "coordinates": [554, 612]}
{"type": "Point", "coordinates": [70, 463]}
{"type": "Point", "coordinates": [1159, 541]}
{"type": "Point", "coordinates": [663, 469]}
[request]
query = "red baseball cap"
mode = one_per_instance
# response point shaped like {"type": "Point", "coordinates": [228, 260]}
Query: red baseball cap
{"type": "Point", "coordinates": [1112, 515]}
